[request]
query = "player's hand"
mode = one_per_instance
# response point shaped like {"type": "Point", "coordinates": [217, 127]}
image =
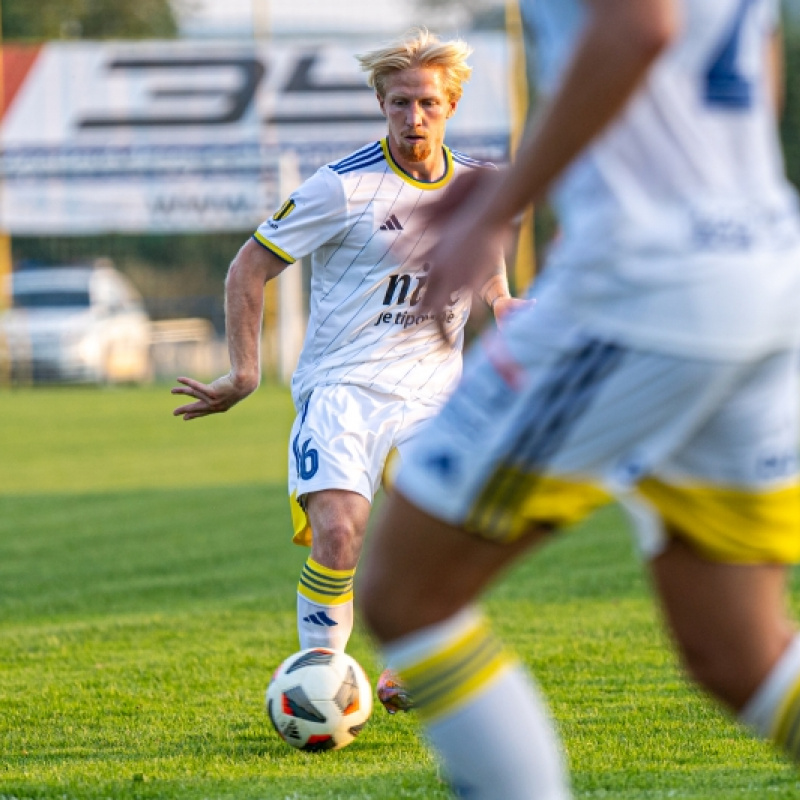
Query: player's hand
{"type": "Point", "coordinates": [467, 244]}
{"type": "Point", "coordinates": [503, 306]}
{"type": "Point", "coordinates": [211, 398]}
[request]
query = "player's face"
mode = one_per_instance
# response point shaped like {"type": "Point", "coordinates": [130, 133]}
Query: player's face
{"type": "Point", "coordinates": [416, 107]}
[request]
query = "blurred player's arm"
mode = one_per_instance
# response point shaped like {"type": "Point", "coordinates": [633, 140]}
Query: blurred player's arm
{"type": "Point", "coordinates": [620, 42]}
{"type": "Point", "coordinates": [776, 70]}
{"type": "Point", "coordinates": [253, 266]}
{"type": "Point", "coordinates": [496, 294]}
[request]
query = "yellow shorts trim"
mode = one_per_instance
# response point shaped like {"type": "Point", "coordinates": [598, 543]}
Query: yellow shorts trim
{"type": "Point", "coordinates": [300, 524]}
{"type": "Point", "coordinates": [301, 527]}
{"type": "Point", "coordinates": [730, 524]}
{"type": "Point", "coordinates": [390, 469]}
{"type": "Point", "coordinates": [515, 501]}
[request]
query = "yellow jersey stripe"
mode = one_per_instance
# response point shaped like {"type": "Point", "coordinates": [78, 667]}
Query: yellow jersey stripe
{"type": "Point", "coordinates": [273, 248]}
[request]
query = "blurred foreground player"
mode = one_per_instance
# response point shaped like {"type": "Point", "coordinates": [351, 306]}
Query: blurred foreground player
{"type": "Point", "coordinates": [372, 366]}
{"type": "Point", "coordinates": [659, 365]}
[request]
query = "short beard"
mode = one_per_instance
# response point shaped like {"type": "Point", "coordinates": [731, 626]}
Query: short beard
{"type": "Point", "coordinates": [419, 151]}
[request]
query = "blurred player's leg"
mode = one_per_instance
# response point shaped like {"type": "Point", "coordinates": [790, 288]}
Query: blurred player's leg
{"type": "Point", "coordinates": [773, 711]}
{"type": "Point", "coordinates": [731, 626]}
{"type": "Point", "coordinates": [480, 711]}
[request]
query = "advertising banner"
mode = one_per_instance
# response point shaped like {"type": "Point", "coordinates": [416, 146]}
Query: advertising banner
{"type": "Point", "coordinates": [188, 136]}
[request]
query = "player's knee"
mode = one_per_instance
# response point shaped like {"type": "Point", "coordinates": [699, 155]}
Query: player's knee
{"type": "Point", "coordinates": [337, 545]}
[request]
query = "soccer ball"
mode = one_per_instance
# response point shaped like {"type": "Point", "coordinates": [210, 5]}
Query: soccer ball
{"type": "Point", "coordinates": [319, 699]}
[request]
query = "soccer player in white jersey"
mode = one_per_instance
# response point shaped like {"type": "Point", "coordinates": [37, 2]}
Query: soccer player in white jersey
{"type": "Point", "coordinates": [372, 366]}
{"type": "Point", "coordinates": [659, 365]}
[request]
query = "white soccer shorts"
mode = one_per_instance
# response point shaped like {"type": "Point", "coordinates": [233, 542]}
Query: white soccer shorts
{"type": "Point", "coordinates": [550, 422]}
{"type": "Point", "coordinates": [343, 438]}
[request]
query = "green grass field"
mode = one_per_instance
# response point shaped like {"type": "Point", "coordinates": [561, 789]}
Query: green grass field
{"type": "Point", "coordinates": [147, 592]}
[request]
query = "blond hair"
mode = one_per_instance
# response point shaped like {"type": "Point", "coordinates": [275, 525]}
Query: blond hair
{"type": "Point", "coordinates": [419, 48]}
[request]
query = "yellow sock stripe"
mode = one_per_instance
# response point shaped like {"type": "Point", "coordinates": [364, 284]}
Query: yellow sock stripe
{"type": "Point", "coordinates": [326, 586]}
{"type": "Point", "coordinates": [451, 677]}
{"type": "Point", "coordinates": [786, 732]}
{"type": "Point", "coordinates": [449, 691]}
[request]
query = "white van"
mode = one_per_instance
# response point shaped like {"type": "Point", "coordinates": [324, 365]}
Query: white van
{"type": "Point", "coordinates": [75, 324]}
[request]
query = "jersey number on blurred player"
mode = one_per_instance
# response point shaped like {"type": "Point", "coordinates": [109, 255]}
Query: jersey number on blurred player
{"type": "Point", "coordinates": [725, 85]}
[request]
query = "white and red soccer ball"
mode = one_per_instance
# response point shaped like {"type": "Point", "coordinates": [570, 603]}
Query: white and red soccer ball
{"type": "Point", "coordinates": [319, 699]}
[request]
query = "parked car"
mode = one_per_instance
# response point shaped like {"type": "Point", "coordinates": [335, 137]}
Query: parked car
{"type": "Point", "coordinates": [75, 324]}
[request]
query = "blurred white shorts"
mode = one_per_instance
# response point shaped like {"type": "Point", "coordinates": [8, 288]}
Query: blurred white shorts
{"type": "Point", "coordinates": [550, 422]}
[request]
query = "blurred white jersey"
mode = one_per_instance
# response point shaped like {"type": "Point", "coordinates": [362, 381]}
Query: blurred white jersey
{"type": "Point", "coordinates": [679, 230]}
{"type": "Point", "coordinates": [360, 220]}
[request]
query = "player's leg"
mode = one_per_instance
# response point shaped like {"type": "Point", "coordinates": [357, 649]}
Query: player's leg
{"type": "Point", "coordinates": [729, 620]}
{"type": "Point", "coordinates": [731, 501]}
{"type": "Point", "coordinates": [339, 444]}
{"type": "Point", "coordinates": [532, 411]}
{"type": "Point", "coordinates": [392, 693]}
{"type": "Point", "coordinates": [478, 467]}
{"type": "Point", "coordinates": [732, 628]}
{"type": "Point", "coordinates": [325, 590]}
{"type": "Point", "coordinates": [416, 588]}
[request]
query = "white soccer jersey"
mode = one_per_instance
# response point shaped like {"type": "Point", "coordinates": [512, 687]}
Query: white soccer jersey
{"type": "Point", "coordinates": [360, 219]}
{"type": "Point", "coordinates": [678, 228]}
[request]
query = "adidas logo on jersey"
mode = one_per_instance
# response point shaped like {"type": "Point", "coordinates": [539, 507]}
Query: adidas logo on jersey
{"type": "Point", "coordinates": [392, 224]}
{"type": "Point", "coordinates": [320, 618]}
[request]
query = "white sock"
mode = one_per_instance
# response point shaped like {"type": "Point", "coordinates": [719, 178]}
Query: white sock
{"type": "Point", "coordinates": [481, 712]}
{"type": "Point", "coordinates": [323, 626]}
{"type": "Point", "coordinates": [773, 711]}
{"type": "Point", "coordinates": [324, 606]}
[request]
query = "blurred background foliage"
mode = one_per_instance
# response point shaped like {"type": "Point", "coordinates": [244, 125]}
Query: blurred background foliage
{"type": "Point", "coordinates": [790, 121]}
{"type": "Point", "coordinates": [41, 20]}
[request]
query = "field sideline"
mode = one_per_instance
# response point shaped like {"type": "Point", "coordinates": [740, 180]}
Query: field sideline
{"type": "Point", "coordinates": [147, 592]}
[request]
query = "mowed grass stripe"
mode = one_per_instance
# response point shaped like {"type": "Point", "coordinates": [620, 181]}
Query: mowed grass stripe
{"type": "Point", "coordinates": [77, 439]}
{"type": "Point", "coordinates": [147, 590]}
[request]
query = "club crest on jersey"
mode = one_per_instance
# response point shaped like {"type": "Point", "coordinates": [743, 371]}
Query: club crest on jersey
{"type": "Point", "coordinates": [282, 212]}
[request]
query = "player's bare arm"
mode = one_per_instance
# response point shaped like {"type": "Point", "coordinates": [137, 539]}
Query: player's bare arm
{"type": "Point", "coordinates": [600, 81]}
{"type": "Point", "coordinates": [776, 70]}
{"type": "Point", "coordinates": [497, 295]}
{"type": "Point", "coordinates": [252, 267]}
